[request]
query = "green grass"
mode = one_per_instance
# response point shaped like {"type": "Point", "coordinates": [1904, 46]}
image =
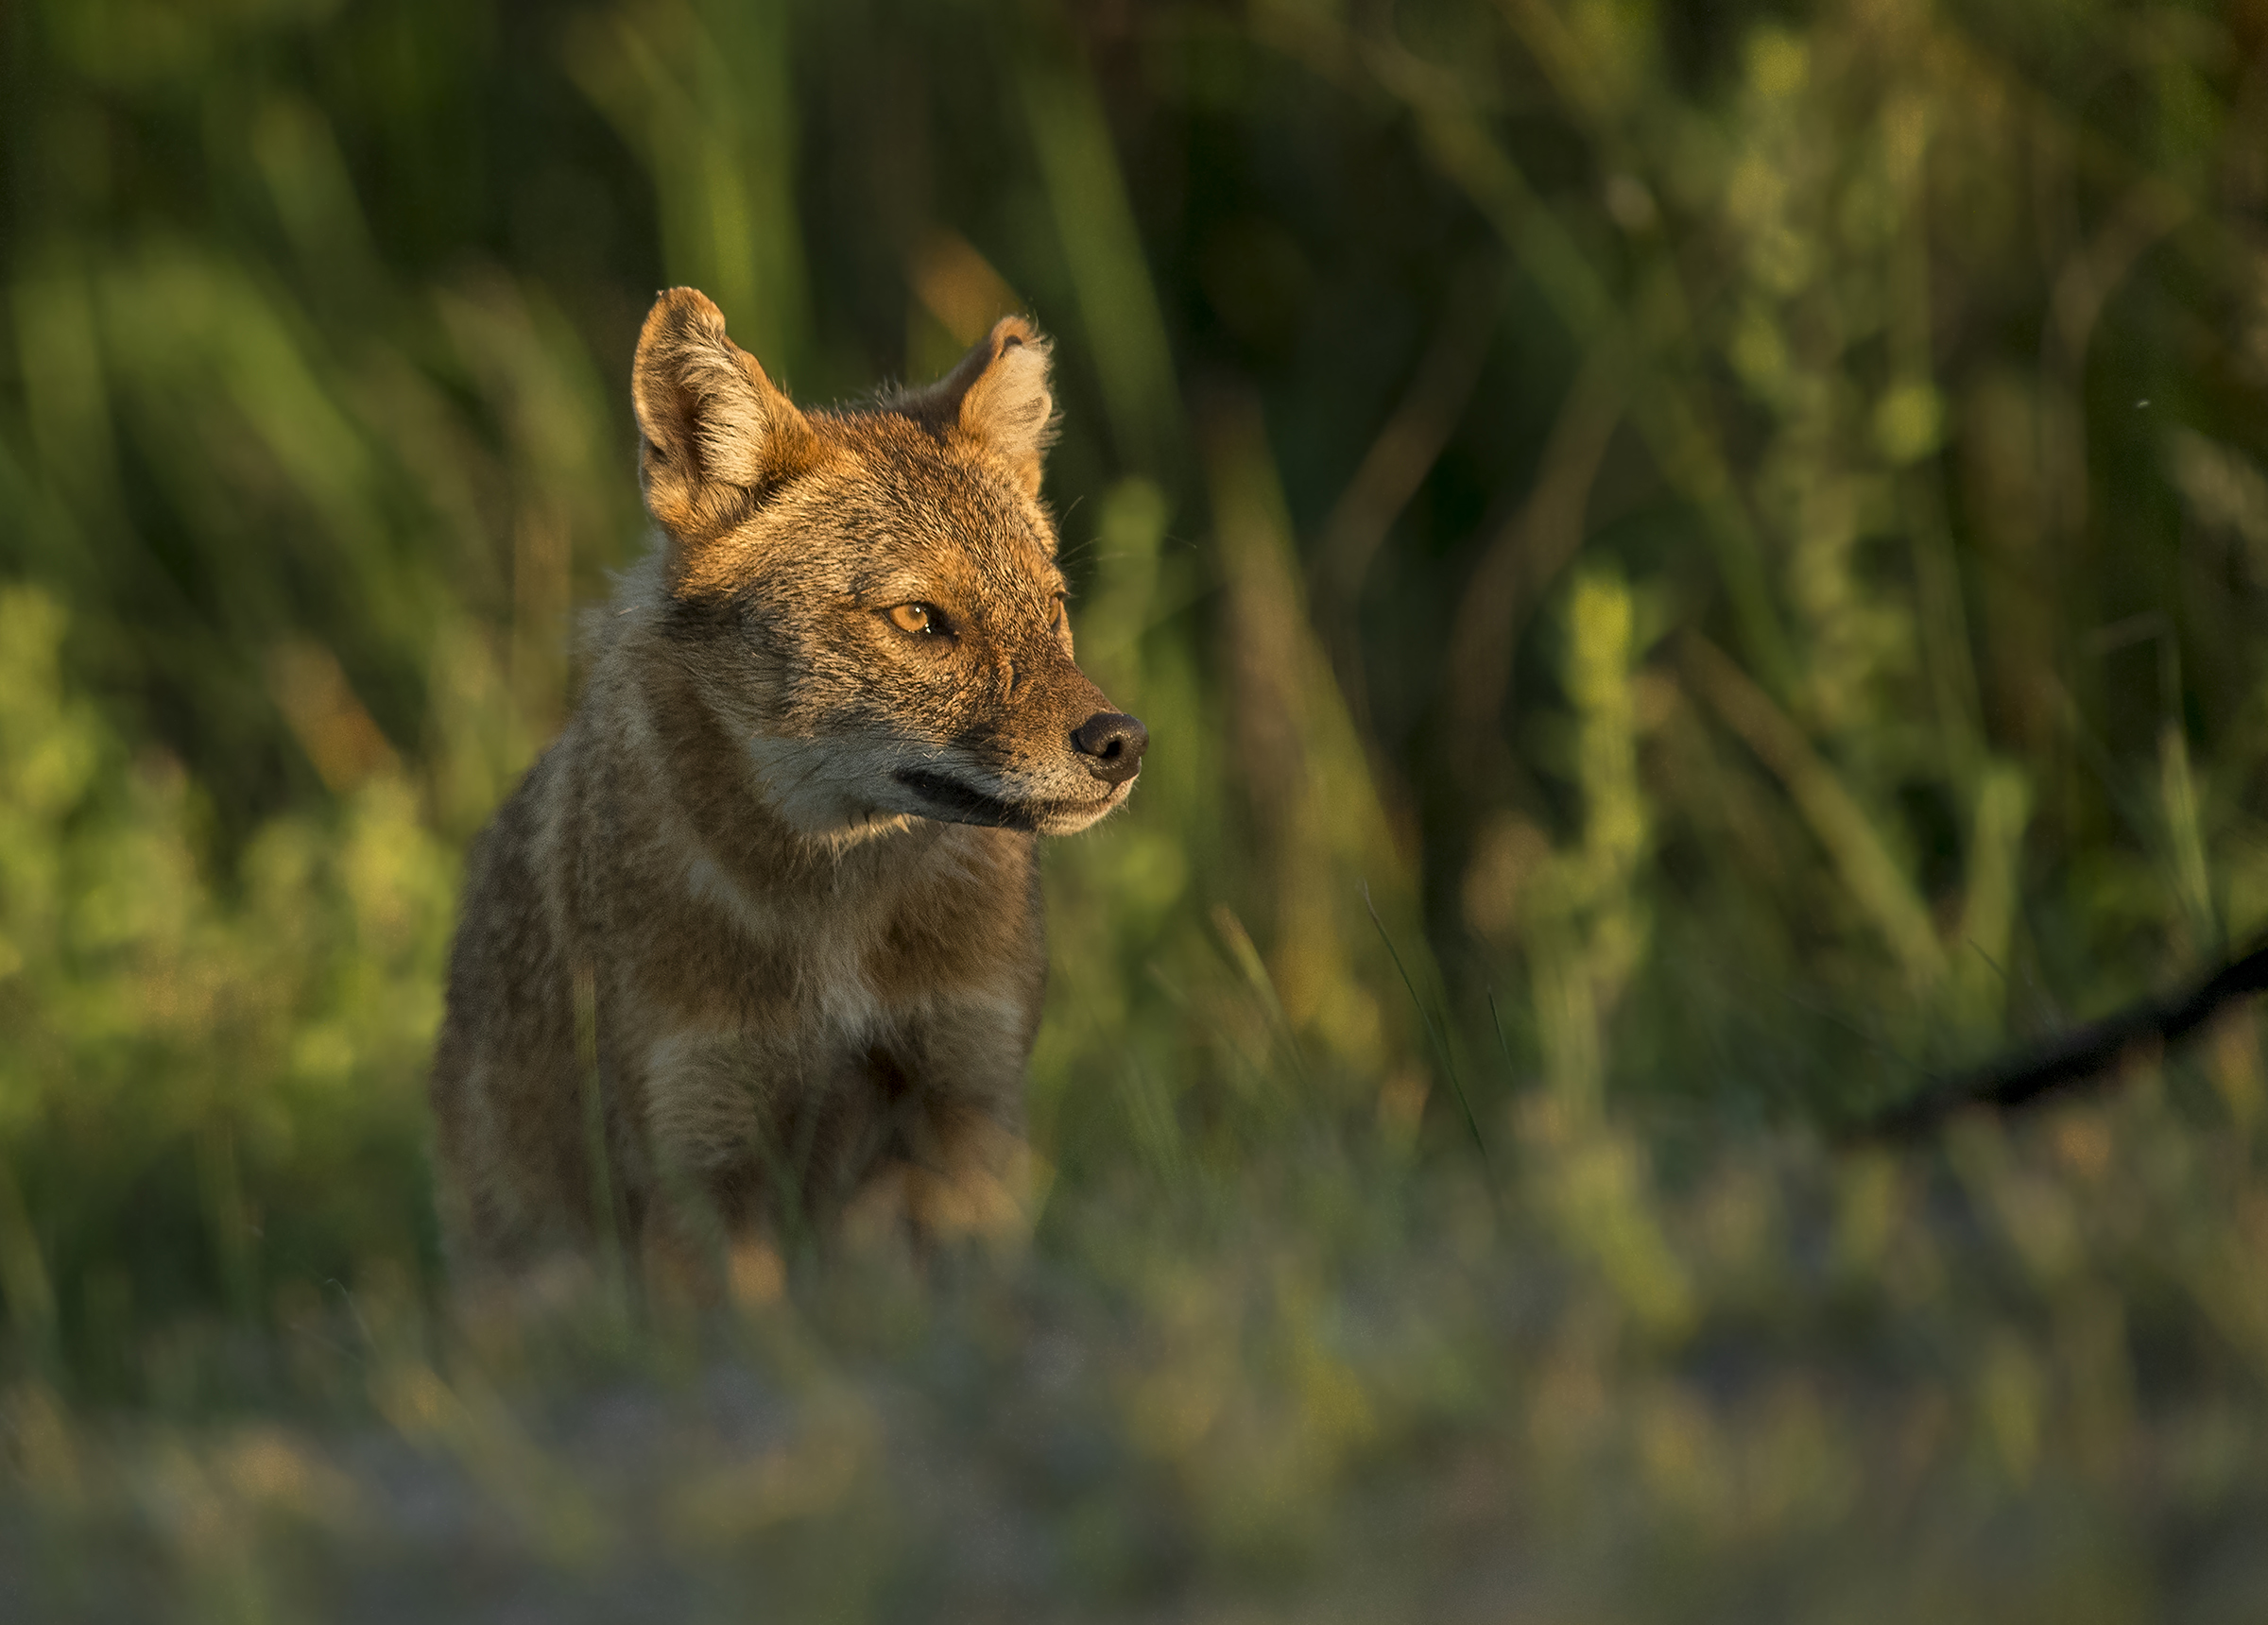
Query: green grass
{"type": "Point", "coordinates": [1686, 579]}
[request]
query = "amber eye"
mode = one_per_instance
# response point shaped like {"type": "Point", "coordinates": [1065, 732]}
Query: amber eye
{"type": "Point", "coordinates": [1056, 619]}
{"type": "Point", "coordinates": [923, 620]}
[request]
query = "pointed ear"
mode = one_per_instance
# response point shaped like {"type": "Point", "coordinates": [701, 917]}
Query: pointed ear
{"type": "Point", "coordinates": [998, 398]}
{"type": "Point", "coordinates": [717, 434]}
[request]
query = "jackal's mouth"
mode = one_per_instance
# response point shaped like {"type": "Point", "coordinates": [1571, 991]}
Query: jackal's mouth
{"type": "Point", "coordinates": [961, 803]}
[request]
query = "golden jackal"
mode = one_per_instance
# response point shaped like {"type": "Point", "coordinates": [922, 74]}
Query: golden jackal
{"type": "Point", "coordinates": [761, 934]}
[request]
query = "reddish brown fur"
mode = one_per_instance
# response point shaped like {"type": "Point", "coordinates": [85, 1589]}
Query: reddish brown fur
{"type": "Point", "coordinates": [808, 974]}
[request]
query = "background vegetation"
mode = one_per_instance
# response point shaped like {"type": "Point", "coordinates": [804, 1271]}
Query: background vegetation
{"type": "Point", "coordinates": [1739, 529]}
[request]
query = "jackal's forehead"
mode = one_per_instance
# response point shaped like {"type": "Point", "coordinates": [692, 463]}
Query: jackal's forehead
{"type": "Point", "coordinates": [901, 513]}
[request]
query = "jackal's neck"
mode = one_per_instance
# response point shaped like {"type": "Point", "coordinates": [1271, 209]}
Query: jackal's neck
{"type": "Point", "coordinates": [759, 808]}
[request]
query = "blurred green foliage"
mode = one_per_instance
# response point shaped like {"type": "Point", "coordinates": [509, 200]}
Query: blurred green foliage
{"type": "Point", "coordinates": [1739, 529]}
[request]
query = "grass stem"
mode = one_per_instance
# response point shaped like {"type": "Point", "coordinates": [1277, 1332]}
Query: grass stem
{"type": "Point", "coordinates": [1432, 1032]}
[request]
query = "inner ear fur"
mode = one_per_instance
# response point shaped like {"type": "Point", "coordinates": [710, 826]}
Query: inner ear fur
{"type": "Point", "coordinates": [717, 434]}
{"type": "Point", "coordinates": [997, 397]}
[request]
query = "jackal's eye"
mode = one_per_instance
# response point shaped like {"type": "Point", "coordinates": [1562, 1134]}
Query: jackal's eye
{"type": "Point", "coordinates": [922, 620]}
{"type": "Point", "coordinates": [1058, 615]}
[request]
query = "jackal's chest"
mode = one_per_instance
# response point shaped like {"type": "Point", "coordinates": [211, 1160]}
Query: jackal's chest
{"type": "Point", "coordinates": [776, 989]}
{"type": "Point", "coordinates": [733, 963]}
{"type": "Point", "coordinates": [759, 1030]}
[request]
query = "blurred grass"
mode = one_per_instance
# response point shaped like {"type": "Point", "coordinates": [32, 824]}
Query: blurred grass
{"type": "Point", "coordinates": [1741, 531]}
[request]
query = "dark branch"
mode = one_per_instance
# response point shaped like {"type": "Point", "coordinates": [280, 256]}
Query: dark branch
{"type": "Point", "coordinates": [2079, 1056]}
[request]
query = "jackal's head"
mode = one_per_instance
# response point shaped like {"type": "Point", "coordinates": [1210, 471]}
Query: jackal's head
{"type": "Point", "coordinates": [868, 600]}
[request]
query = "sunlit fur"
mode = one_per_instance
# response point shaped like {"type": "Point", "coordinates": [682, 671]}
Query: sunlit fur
{"type": "Point", "coordinates": [785, 846]}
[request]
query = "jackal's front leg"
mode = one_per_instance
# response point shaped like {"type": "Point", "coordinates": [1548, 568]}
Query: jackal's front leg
{"type": "Point", "coordinates": [957, 1163]}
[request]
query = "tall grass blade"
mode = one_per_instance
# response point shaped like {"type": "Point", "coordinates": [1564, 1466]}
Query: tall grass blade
{"type": "Point", "coordinates": [1433, 1033]}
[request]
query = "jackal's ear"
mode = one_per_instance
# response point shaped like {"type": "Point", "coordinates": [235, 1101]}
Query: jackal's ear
{"type": "Point", "coordinates": [717, 433]}
{"type": "Point", "coordinates": [998, 398]}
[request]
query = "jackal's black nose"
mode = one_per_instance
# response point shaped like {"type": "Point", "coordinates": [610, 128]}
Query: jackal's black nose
{"type": "Point", "coordinates": [1112, 745]}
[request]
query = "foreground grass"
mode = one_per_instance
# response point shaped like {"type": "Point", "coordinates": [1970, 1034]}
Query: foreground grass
{"type": "Point", "coordinates": [1617, 1373]}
